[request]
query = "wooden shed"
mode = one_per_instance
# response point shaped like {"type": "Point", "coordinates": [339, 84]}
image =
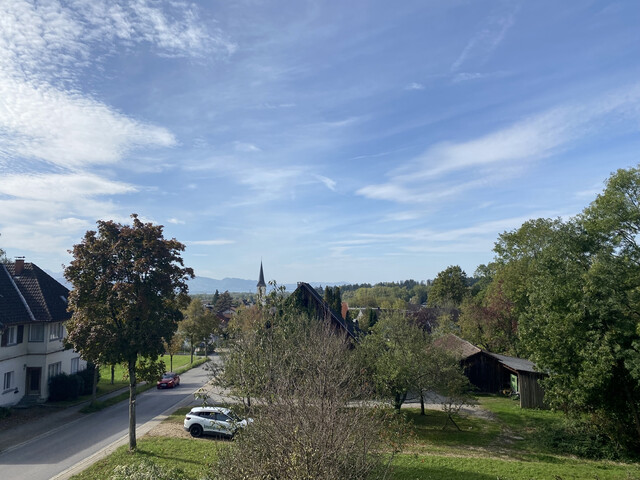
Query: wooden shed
{"type": "Point", "coordinates": [493, 373]}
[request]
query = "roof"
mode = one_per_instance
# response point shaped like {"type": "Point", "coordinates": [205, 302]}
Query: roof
{"type": "Point", "coordinates": [322, 306]}
{"type": "Point", "coordinates": [457, 345]}
{"type": "Point", "coordinates": [261, 278]}
{"type": "Point", "coordinates": [32, 296]}
{"type": "Point", "coordinates": [514, 363]}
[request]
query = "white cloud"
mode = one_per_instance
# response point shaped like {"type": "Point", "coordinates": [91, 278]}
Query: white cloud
{"type": "Point", "coordinates": [330, 184]}
{"type": "Point", "coordinates": [489, 36]}
{"type": "Point", "coordinates": [503, 153]}
{"type": "Point", "coordinates": [176, 221]}
{"type": "Point", "coordinates": [414, 86]}
{"type": "Point", "coordinates": [246, 147]}
{"type": "Point", "coordinates": [67, 129]}
{"type": "Point", "coordinates": [60, 187]}
{"type": "Point", "coordinates": [210, 242]}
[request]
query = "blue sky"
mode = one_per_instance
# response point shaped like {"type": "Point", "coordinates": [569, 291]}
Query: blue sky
{"type": "Point", "coordinates": [359, 141]}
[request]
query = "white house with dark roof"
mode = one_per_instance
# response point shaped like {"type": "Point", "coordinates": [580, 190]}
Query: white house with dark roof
{"type": "Point", "coordinates": [33, 309]}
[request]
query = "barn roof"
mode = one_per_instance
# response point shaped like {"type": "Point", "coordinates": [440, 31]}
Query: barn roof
{"type": "Point", "coordinates": [456, 345]}
{"type": "Point", "coordinates": [514, 363]}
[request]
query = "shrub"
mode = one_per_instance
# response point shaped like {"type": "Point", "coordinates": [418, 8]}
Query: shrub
{"type": "Point", "coordinates": [87, 377]}
{"type": "Point", "coordinates": [65, 387]}
{"type": "Point", "coordinates": [5, 412]}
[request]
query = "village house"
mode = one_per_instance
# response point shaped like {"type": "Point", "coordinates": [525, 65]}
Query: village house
{"type": "Point", "coordinates": [33, 309]}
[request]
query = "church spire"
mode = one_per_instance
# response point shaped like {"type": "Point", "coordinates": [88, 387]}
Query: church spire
{"type": "Point", "coordinates": [262, 287]}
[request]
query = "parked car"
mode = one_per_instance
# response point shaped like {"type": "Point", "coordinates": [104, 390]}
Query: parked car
{"type": "Point", "coordinates": [213, 421]}
{"type": "Point", "coordinates": [169, 380]}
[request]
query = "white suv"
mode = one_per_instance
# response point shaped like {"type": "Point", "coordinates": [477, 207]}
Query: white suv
{"type": "Point", "coordinates": [213, 420]}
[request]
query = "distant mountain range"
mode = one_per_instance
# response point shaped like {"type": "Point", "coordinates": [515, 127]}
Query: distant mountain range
{"type": "Point", "coordinates": [210, 285]}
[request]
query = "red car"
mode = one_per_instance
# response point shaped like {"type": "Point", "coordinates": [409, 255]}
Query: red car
{"type": "Point", "coordinates": [169, 380]}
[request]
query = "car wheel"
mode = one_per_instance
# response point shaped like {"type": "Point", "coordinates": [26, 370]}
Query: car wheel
{"type": "Point", "coordinates": [195, 430]}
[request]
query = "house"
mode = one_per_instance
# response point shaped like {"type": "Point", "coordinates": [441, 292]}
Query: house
{"type": "Point", "coordinates": [33, 309]}
{"type": "Point", "coordinates": [310, 300]}
{"type": "Point", "coordinates": [493, 373]}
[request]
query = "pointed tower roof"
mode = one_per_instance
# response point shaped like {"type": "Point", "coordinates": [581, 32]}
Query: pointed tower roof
{"type": "Point", "coordinates": [261, 278]}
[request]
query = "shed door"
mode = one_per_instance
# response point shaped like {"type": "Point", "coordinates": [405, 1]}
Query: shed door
{"type": "Point", "coordinates": [514, 383]}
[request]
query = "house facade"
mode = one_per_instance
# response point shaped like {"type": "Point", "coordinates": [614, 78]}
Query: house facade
{"type": "Point", "coordinates": [33, 311]}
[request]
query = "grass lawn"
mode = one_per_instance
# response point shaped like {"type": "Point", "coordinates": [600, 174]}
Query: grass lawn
{"type": "Point", "coordinates": [105, 385]}
{"type": "Point", "coordinates": [505, 447]}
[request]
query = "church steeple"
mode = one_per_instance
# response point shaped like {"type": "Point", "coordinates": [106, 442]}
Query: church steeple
{"type": "Point", "coordinates": [262, 287]}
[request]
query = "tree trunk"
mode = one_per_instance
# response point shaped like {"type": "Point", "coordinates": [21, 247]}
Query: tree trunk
{"type": "Point", "coordinates": [191, 351]}
{"type": "Point", "coordinates": [132, 404]}
{"type": "Point", "coordinates": [399, 400]}
{"type": "Point", "coordinates": [171, 362]}
{"type": "Point", "coordinates": [94, 387]}
{"type": "Point", "coordinates": [421, 403]}
{"type": "Point", "coordinates": [113, 373]}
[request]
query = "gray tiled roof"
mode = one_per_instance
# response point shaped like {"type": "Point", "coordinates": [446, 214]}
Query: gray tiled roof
{"type": "Point", "coordinates": [517, 364]}
{"type": "Point", "coordinates": [32, 296]}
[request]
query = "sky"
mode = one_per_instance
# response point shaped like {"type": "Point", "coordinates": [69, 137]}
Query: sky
{"type": "Point", "coordinates": [334, 141]}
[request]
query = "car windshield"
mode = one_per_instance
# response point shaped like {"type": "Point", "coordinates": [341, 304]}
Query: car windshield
{"type": "Point", "coordinates": [167, 376]}
{"type": "Point", "coordinates": [233, 416]}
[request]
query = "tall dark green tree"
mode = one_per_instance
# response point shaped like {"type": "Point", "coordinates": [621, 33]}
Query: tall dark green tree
{"type": "Point", "coordinates": [129, 286]}
{"type": "Point", "coordinates": [449, 288]}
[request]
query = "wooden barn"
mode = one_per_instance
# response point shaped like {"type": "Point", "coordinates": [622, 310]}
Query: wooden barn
{"type": "Point", "coordinates": [493, 373]}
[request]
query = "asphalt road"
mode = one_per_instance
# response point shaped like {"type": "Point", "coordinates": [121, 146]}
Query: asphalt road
{"type": "Point", "coordinates": [51, 453]}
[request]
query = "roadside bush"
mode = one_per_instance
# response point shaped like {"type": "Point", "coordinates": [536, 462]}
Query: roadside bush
{"type": "Point", "coordinates": [87, 377]}
{"type": "Point", "coordinates": [65, 387]}
{"type": "Point", "coordinates": [5, 412]}
{"type": "Point", "coordinates": [146, 470]}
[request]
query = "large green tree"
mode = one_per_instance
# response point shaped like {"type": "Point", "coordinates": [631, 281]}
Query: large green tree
{"type": "Point", "coordinates": [449, 288]}
{"type": "Point", "coordinates": [129, 284]}
{"type": "Point", "coordinates": [391, 355]}
{"type": "Point", "coordinates": [580, 282]}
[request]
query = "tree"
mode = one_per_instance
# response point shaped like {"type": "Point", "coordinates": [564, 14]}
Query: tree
{"type": "Point", "coordinates": [312, 421]}
{"type": "Point", "coordinates": [580, 281]}
{"type": "Point", "coordinates": [223, 303]}
{"type": "Point", "coordinates": [174, 346]}
{"type": "Point", "coordinates": [449, 288]}
{"type": "Point", "coordinates": [391, 355]}
{"type": "Point", "coordinates": [198, 325]}
{"type": "Point", "coordinates": [3, 256]}
{"type": "Point", "coordinates": [129, 285]}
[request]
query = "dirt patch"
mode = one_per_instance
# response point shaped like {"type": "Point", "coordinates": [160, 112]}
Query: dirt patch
{"type": "Point", "coordinates": [169, 428]}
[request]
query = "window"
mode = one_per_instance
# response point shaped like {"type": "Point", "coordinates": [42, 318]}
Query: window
{"type": "Point", "coordinates": [55, 331]}
{"type": "Point", "coordinates": [55, 369]}
{"type": "Point", "coordinates": [8, 380]}
{"type": "Point", "coordinates": [36, 333]}
{"type": "Point", "coordinates": [75, 363]}
{"type": "Point", "coordinates": [9, 337]}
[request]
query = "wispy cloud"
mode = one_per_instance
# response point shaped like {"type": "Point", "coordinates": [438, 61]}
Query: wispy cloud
{"type": "Point", "coordinates": [488, 36]}
{"type": "Point", "coordinates": [330, 184]}
{"type": "Point", "coordinates": [414, 86]}
{"type": "Point", "coordinates": [502, 153]}
{"type": "Point", "coordinates": [210, 242]}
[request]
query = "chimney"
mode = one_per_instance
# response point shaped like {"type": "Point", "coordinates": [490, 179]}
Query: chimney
{"type": "Point", "coordinates": [19, 266]}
